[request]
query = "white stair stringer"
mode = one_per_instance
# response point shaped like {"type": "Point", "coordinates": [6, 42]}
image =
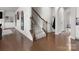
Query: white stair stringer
{"type": "Point", "coordinates": [39, 33]}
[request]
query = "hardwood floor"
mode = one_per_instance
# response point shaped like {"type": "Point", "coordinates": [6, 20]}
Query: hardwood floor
{"type": "Point", "coordinates": [51, 43]}
{"type": "Point", "coordinates": [18, 42]}
{"type": "Point", "coordinates": [15, 42]}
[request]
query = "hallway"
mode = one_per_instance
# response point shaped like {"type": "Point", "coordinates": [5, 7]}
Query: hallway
{"type": "Point", "coordinates": [18, 42]}
{"type": "Point", "coordinates": [38, 29]}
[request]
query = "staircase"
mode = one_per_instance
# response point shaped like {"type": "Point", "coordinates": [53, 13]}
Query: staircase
{"type": "Point", "coordinates": [37, 31]}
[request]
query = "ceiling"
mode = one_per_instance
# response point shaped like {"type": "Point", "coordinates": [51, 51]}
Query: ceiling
{"type": "Point", "coordinates": [9, 8]}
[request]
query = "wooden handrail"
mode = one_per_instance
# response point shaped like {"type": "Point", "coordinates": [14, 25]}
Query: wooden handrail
{"type": "Point", "coordinates": [38, 15]}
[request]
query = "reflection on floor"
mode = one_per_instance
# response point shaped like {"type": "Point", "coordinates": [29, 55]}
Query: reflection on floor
{"type": "Point", "coordinates": [18, 42]}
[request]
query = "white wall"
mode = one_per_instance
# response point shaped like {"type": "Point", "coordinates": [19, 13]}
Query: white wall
{"type": "Point", "coordinates": [72, 20]}
{"type": "Point", "coordinates": [59, 14]}
{"type": "Point", "coordinates": [27, 21]}
{"type": "Point", "coordinates": [67, 18]}
{"type": "Point", "coordinates": [77, 26]}
{"type": "Point", "coordinates": [77, 12]}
